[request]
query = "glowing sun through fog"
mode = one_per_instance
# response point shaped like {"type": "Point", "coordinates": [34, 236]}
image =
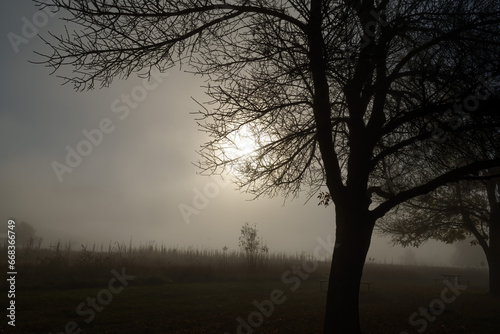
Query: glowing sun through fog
{"type": "Point", "coordinates": [241, 144]}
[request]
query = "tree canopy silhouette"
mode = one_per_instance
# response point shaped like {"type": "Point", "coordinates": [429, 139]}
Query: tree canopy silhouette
{"type": "Point", "coordinates": [252, 245]}
{"type": "Point", "coordinates": [344, 97]}
{"type": "Point", "coordinates": [459, 210]}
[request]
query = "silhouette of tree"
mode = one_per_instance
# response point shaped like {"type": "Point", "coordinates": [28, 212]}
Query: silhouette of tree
{"type": "Point", "coordinates": [456, 212]}
{"type": "Point", "coordinates": [339, 96]}
{"type": "Point", "coordinates": [26, 235]}
{"type": "Point", "coordinates": [460, 210]}
{"type": "Point", "coordinates": [251, 244]}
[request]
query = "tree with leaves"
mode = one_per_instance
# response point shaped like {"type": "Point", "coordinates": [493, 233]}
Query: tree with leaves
{"type": "Point", "coordinates": [340, 97]}
{"type": "Point", "coordinates": [26, 236]}
{"type": "Point", "coordinates": [252, 245]}
{"type": "Point", "coordinates": [457, 212]}
{"type": "Point", "coordinates": [469, 208]}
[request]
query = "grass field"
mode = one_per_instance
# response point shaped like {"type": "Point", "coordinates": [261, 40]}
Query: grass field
{"type": "Point", "coordinates": [213, 307]}
{"type": "Point", "coordinates": [211, 296]}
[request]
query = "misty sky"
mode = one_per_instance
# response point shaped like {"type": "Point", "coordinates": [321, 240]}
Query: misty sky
{"type": "Point", "coordinates": [133, 181]}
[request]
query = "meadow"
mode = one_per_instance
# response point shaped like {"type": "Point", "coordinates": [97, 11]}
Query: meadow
{"type": "Point", "coordinates": [117, 288]}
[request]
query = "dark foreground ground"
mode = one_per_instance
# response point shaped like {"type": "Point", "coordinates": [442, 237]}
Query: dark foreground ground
{"type": "Point", "coordinates": [214, 307]}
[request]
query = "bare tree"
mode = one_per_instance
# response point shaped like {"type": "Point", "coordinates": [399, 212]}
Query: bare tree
{"type": "Point", "coordinates": [337, 95]}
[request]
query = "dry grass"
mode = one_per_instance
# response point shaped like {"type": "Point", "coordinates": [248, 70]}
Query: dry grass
{"type": "Point", "coordinates": [151, 263]}
{"type": "Point", "coordinates": [192, 290]}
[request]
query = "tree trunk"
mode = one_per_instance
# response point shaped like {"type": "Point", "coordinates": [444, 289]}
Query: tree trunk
{"type": "Point", "coordinates": [493, 254]}
{"type": "Point", "coordinates": [353, 235]}
{"type": "Point", "coordinates": [494, 275]}
{"type": "Point", "coordinates": [493, 249]}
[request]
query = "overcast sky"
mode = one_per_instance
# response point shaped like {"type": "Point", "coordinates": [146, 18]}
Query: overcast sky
{"type": "Point", "coordinates": [139, 173]}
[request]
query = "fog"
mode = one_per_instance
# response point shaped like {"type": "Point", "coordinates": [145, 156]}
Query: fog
{"type": "Point", "coordinates": [133, 183]}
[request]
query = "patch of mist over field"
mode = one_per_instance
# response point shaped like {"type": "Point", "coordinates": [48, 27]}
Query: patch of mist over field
{"type": "Point", "coordinates": [292, 240]}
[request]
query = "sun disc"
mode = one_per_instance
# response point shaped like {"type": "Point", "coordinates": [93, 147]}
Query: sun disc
{"type": "Point", "coordinates": [243, 143]}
